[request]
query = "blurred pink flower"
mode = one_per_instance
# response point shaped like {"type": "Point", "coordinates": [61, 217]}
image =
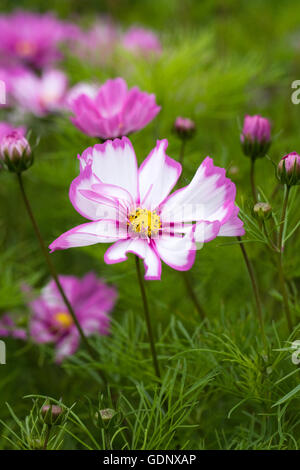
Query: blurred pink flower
{"type": "Point", "coordinates": [98, 43]}
{"type": "Point", "coordinates": [131, 207]}
{"type": "Point", "coordinates": [6, 128]}
{"type": "Point", "coordinates": [41, 95]}
{"type": "Point", "coordinates": [115, 111]}
{"type": "Point", "coordinates": [7, 75]}
{"type": "Point", "coordinates": [33, 38]}
{"type": "Point", "coordinates": [256, 128]}
{"type": "Point", "coordinates": [141, 41]}
{"type": "Point", "coordinates": [92, 301]}
{"type": "Point", "coordinates": [9, 328]}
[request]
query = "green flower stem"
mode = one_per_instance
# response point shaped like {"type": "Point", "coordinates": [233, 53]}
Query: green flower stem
{"type": "Point", "coordinates": [252, 180]}
{"type": "Point", "coordinates": [48, 432]}
{"type": "Point", "coordinates": [51, 267]}
{"type": "Point", "coordinates": [147, 317]}
{"type": "Point", "coordinates": [280, 261]}
{"type": "Point", "coordinates": [255, 290]}
{"type": "Point", "coordinates": [192, 294]}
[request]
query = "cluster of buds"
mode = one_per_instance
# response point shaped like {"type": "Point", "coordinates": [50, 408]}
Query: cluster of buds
{"type": "Point", "coordinates": [256, 136]}
{"type": "Point", "coordinates": [15, 152]}
{"type": "Point", "coordinates": [185, 128]}
{"type": "Point", "coordinates": [288, 170]}
{"type": "Point", "coordinates": [52, 415]}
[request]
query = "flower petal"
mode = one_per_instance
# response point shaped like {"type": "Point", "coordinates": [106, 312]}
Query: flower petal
{"type": "Point", "coordinates": [142, 248]}
{"type": "Point", "coordinates": [209, 196]}
{"type": "Point", "coordinates": [178, 252]}
{"type": "Point", "coordinates": [234, 227]}
{"type": "Point", "coordinates": [111, 96]}
{"type": "Point", "coordinates": [114, 162]}
{"type": "Point", "coordinates": [102, 231]}
{"type": "Point", "coordinates": [158, 174]}
{"type": "Point", "coordinates": [67, 345]}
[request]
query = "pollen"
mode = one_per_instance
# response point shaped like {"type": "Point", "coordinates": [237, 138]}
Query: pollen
{"type": "Point", "coordinates": [64, 319]}
{"type": "Point", "coordinates": [144, 221]}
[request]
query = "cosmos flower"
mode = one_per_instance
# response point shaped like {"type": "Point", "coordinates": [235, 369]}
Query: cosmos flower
{"type": "Point", "coordinates": [131, 207]}
{"type": "Point", "coordinates": [288, 170]}
{"type": "Point", "coordinates": [8, 74]}
{"type": "Point", "coordinates": [33, 39]}
{"type": "Point", "coordinates": [115, 110]}
{"type": "Point", "coordinates": [141, 41]}
{"type": "Point", "coordinates": [92, 301]}
{"type": "Point", "coordinates": [8, 328]}
{"type": "Point", "coordinates": [41, 95]}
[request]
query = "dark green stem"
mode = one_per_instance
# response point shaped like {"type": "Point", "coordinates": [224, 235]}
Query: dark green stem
{"type": "Point", "coordinates": [252, 180]}
{"type": "Point", "coordinates": [147, 317]}
{"type": "Point", "coordinates": [255, 290]}
{"type": "Point", "coordinates": [280, 261]}
{"type": "Point", "coordinates": [51, 266]}
{"type": "Point", "coordinates": [191, 292]}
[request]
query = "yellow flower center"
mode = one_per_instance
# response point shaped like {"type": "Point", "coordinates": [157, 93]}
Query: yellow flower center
{"type": "Point", "coordinates": [25, 48]}
{"type": "Point", "coordinates": [144, 221]}
{"type": "Point", "coordinates": [64, 319]}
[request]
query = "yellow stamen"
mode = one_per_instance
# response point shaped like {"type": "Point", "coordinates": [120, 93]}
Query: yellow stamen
{"type": "Point", "coordinates": [144, 221]}
{"type": "Point", "coordinates": [64, 319]}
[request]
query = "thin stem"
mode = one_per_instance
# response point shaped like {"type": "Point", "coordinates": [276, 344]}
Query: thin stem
{"type": "Point", "coordinates": [280, 261]}
{"type": "Point", "coordinates": [255, 290]}
{"type": "Point", "coordinates": [182, 149]}
{"type": "Point", "coordinates": [51, 266]}
{"type": "Point", "coordinates": [252, 180]}
{"type": "Point", "coordinates": [147, 316]}
{"type": "Point", "coordinates": [48, 431]}
{"type": "Point", "coordinates": [192, 294]}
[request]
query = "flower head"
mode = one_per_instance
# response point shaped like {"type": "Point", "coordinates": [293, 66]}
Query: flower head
{"type": "Point", "coordinates": [131, 207]}
{"type": "Point", "coordinates": [256, 136]}
{"type": "Point", "coordinates": [33, 39]}
{"type": "Point", "coordinates": [262, 210]}
{"type": "Point", "coordinates": [142, 41]}
{"type": "Point", "coordinates": [6, 128]}
{"type": "Point", "coordinates": [91, 299]}
{"type": "Point", "coordinates": [15, 152]}
{"type": "Point", "coordinates": [114, 111]}
{"type": "Point", "coordinates": [41, 95]}
{"type": "Point", "coordinates": [288, 170]}
{"type": "Point", "coordinates": [52, 414]}
{"type": "Point", "coordinates": [8, 327]}
{"type": "Point", "coordinates": [184, 127]}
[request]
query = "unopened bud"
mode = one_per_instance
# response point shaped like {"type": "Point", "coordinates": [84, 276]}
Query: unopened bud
{"type": "Point", "coordinates": [184, 127]}
{"type": "Point", "coordinates": [288, 170]}
{"type": "Point", "coordinates": [262, 210]}
{"type": "Point", "coordinates": [52, 414]}
{"type": "Point", "coordinates": [106, 415]}
{"type": "Point", "coordinates": [256, 136]}
{"type": "Point", "coordinates": [15, 152]}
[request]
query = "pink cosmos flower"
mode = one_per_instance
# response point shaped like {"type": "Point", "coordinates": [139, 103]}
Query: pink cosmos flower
{"type": "Point", "coordinates": [6, 129]}
{"type": "Point", "coordinates": [9, 328]}
{"type": "Point", "coordinates": [92, 301]}
{"type": "Point", "coordinates": [115, 111]}
{"type": "Point", "coordinates": [7, 76]}
{"type": "Point", "coordinates": [33, 38]}
{"type": "Point", "coordinates": [98, 43]}
{"type": "Point", "coordinates": [131, 207]}
{"type": "Point", "coordinates": [41, 95]}
{"type": "Point", "coordinates": [142, 41]}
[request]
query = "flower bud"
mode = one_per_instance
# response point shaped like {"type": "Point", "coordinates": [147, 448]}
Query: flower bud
{"type": "Point", "coordinates": [185, 128]}
{"type": "Point", "coordinates": [106, 415]}
{"type": "Point", "coordinates": [262, 210]}
{"type": "Point", "coordinates": [288, 170]}
{"type": "Point", "coordinates": [52, 414]}
{"type": "Point", "coordinates": [15, 152]}
{"type": "Point", "coordinates": [256, 136]}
